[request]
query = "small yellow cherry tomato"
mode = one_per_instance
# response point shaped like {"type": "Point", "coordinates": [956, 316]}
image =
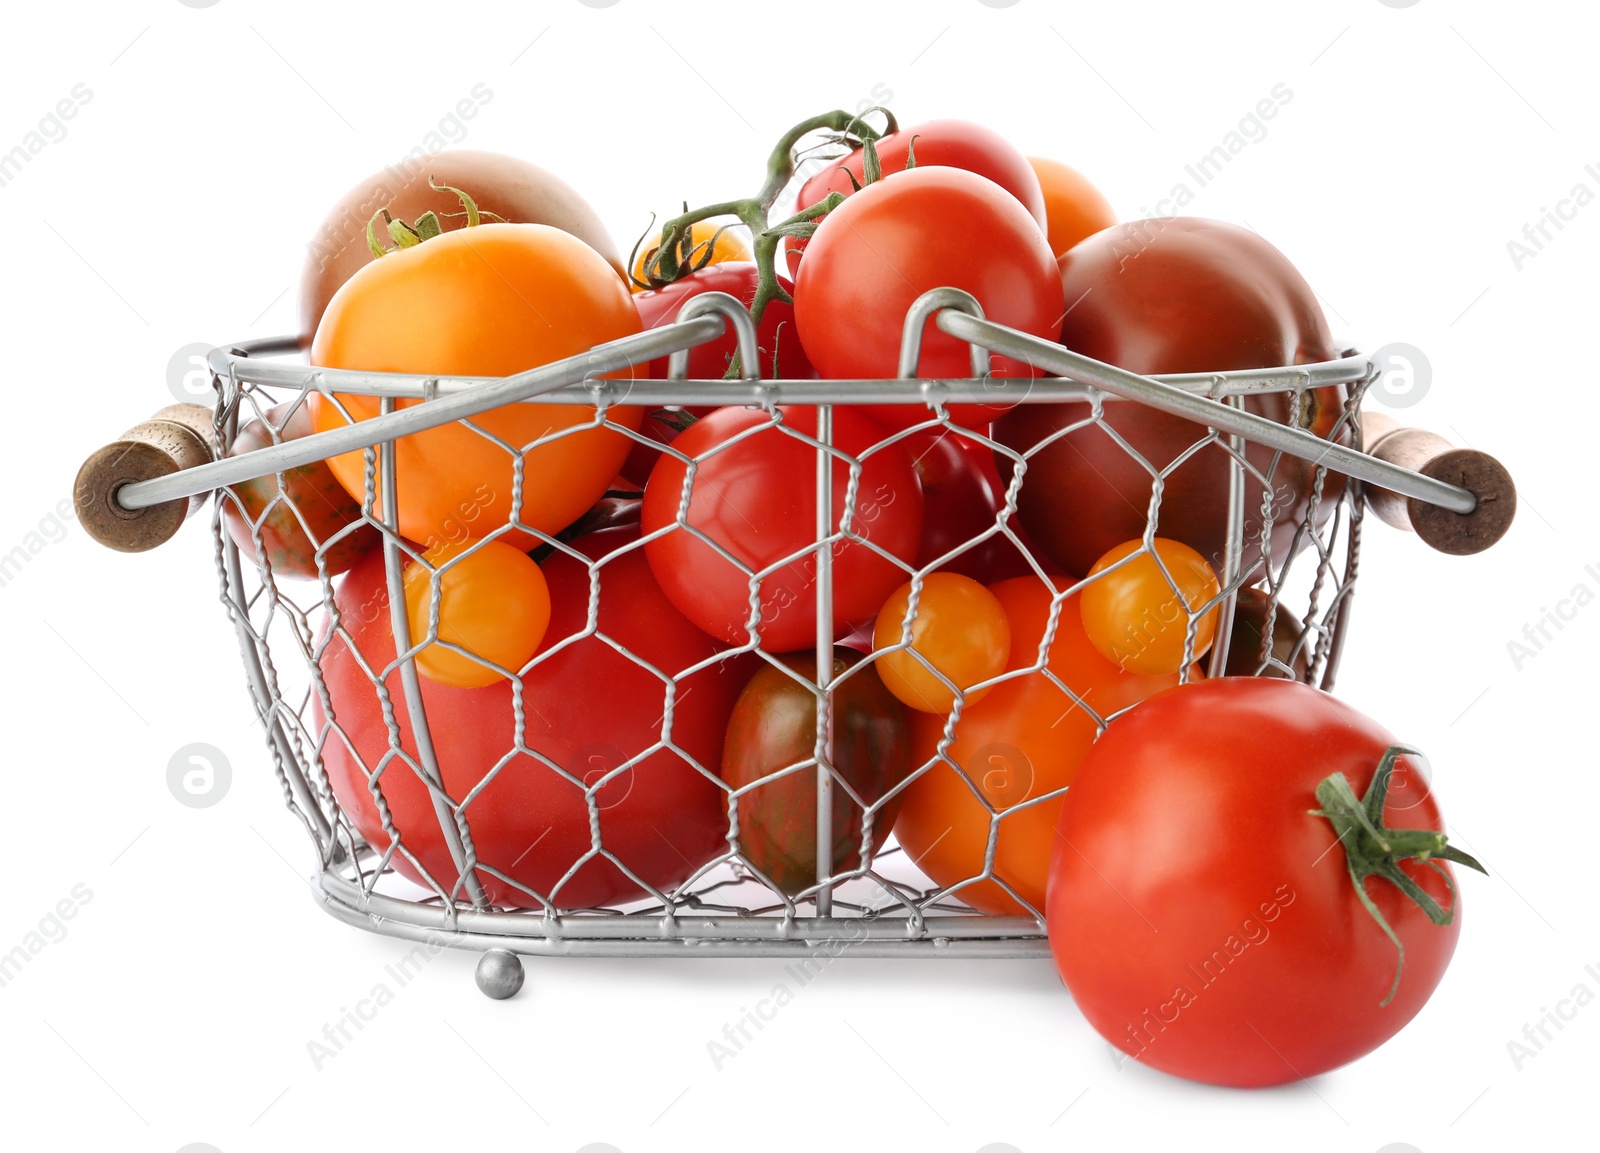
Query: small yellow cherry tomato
{"type": "Point", "coordinates": [1135, 616]}
{"type": "Point", "coordinates": [960, 629]}
{"type": "Point", "coordinates": [731, 245]}
{"type": "Point", "coordinates": [493, 602]}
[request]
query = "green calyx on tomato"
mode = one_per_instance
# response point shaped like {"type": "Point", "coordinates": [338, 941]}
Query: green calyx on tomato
{"type": "Point", "coordinates": [671, 261]}
{"type": "Point", "coordinates": [426, 227]}
{"type": "Point", "coordinates": [1371, 849]}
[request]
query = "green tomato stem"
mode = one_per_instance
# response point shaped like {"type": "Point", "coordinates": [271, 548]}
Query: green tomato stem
{"type": "Point", "coordinates": [427, 226]}
{"type": "Point", "coordinates": [1373, 850]}
{"type": "Point", "coordinates": [753, 212]}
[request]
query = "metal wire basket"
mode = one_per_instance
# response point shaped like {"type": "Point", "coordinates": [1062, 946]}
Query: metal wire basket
{"type": "Point", "coordinates": [136, 491]}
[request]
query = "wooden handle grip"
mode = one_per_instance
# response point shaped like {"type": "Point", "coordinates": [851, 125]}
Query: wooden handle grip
{"type": "Point", "coordinates": [1459, 534]}
{"type": "Point", "coordinates": [180, 436]}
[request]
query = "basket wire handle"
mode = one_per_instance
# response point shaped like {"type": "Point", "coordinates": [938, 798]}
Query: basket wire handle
{"type": "Point", "coordinates": [933, 301]}
{"type": "Point", "coordinates": [1202, 410]}
{"type": "Point", "coordinates": [744, 332]}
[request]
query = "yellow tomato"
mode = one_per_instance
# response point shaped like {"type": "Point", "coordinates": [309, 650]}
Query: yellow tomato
{"type": "Point", "coordinates": [493, 300]}
{"type": "Point", "coordinates": [1139, 619]}
{"type": "Point", "coordinates": [731, 245]}
{"type": "Point", "coordinates": [493, 602]}
{"type": "Point", "coordinates": [960, 629]}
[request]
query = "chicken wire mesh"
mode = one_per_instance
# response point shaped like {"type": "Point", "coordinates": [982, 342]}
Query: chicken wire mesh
{"type": "Point", "coordinates": [492, 824]}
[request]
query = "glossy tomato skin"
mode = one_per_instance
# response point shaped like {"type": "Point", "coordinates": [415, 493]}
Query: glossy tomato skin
{"type": "Point", "coordinates": [774, 725]}
{"type": "Point", "coordinates": [493, 300]}
{"type": "Point", "coordinates": [660, 426]}
{"type": "Point", "coordinates": [1250, 614]}
{"type": "Point", "coordinates": [913, 231]}
{"type": "Point", "coordinates": [936, 143]}
{"type": "Point", "coordinates": [962, 498]}
{"type": "Point", "coordinates": [1204, 919]}
{"type": "Point", "coordinates": [311, 498]}
{"type": "Point", "coordinates": [1074, 208]}
{"type": "Point", "coordinates": [775, 336]}
{"type": "Point", "coordinates": [1169, 296]}
{"type": "Point", "coordinates": [1021, 742]}
{"type": "Point", "coordinates": [508, 186]}
{"type": "Point", "coordinates": [730, 245]}
{"type": "Point", "coordinates": [757, 499]}
{"type": "Point", "coordinates": [587, 708]}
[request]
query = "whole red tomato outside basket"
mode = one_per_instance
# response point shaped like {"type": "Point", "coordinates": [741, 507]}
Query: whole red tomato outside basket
{"type": "Point", "coordinates": [1202, 904]}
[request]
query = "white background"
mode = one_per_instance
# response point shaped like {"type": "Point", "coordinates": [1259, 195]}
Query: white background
{"type": "Point", "coordinates": [178, 1006]}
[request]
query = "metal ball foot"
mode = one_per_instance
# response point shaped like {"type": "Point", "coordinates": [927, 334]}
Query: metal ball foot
{"type": "Point", "coordinates": [499, 974]}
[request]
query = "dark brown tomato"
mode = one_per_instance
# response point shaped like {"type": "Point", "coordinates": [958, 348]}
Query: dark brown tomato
{"type": "Point", "coordinates": [1249, 627]}
{"type": "Point", "coordinates": [311, 497]}
{"type": "Point", "coordinates": [774, 725]}
{"type": "Point", "coordinates": [512, 188]}
{"type": "Point", "coordinates": [1161, 296]}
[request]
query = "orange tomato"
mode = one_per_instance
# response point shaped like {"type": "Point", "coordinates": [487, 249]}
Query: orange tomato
{"type": "Point", "coordinates": [730, 246]}
{"type": "Point", "coordinates": [1023, 741]}
{"type": "Point", "coordinates": [493, 602]}
{"type": "Point", "coordinates": [960, 629]}
{"type": "Point", "coordinates": [493, 300]}
{"type": "Point", "coordinates": [1137, 618]}
{"type": "Point", "coordinates": [1073, 207]}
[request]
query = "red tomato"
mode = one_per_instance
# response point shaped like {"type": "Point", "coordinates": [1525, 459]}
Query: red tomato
{"type": "Point", "coordinates": [937, 143]}
{"type": "Point", "coordinates": [1022, 741]}
{"type": "Point", "coordinates": [756, 498]}
{"type": "Point", "coordinates": [587, 708]}
{"type": "Point", "coordinates": [896, 239]}
{"type": "Point", "coordinates": [1205, 919]}
{"type": "Point", "coordinates": [962, 497]}
{"type": "Point", "coordinates": [1170, 296]}
{"type": "Point", "coordinates": [775, 335]}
